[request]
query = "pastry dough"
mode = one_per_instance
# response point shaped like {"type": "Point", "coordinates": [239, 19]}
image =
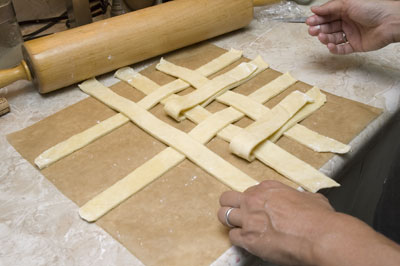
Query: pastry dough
{"type": "Point", "coordinates": [154, 168]}
{"type": "Point", "coordinates": [284, 163]}
{"type": "Point", "coordinates": [273, 88]}
{"type": "Point", "coordinates": [147, 86]}
{"type": "Point", "coordinates": [315, 141]}
{"type": "Point", "coordinates": [192, 149]}
{"type": "Point", "coordinates": [214, 88]}
{"type": "Point", "coordinates": [244, 104]}
{"type": "Point", "coordinates": [162, 93]}
{"type": "Point", "coordinates": [207, 129]}
{"type": "Point", "coordinates": [293, 168]}
{"type": "Point", "coordinates": [261, 66]}
{"type": "Point", "coordinates": [206, 70]}
{"type": "Point", "coordinates": [219, 63]}
{"type": "Point", "coordinates": [175, 107]}
{"type": "Point", "coordinates": [190, 76]}
{"type": "Point", "coordinates": [142, 83]}
{"type": "Point", "coordinates": [132, 183]}
{"type": "Point", "coordinates": [80, 140]}
{"type": "Point", "coordinates": [190, 145]}
{"type": "Point", "coordinates": [319, 100]}
{"type": "Point", "coordinates": [243, 144]}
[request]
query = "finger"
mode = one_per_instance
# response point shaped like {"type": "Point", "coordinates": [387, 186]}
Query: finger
{"type": "Point", "coordinates": [335, 26]}
{"type": "Point", "coordinates": [234, 218]}
{"type": "Point", "coordinates": [340, 49]}
{"type": "Point", "coordinates": [314, 30]}
{"type": "Point", "coordinates": [331, 8]}
{"type": "Point", "coordinates": [315, 20]}
{"type": "Point", "coordinates": [335, 38]}
{"type": "Point", "coordinates": [230, 199]}
{"type": "Point", "coordinates": [236, 238]}
{"type": "Point", "coordinates": [328, 28]}
{"type": "Point", "coordinates": [270, 184]}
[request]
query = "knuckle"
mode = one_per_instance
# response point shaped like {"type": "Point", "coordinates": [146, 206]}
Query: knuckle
{"type": "Point", "coordinates": [221, 213]}
{"type": "Point", "coordinates": [270, 184]}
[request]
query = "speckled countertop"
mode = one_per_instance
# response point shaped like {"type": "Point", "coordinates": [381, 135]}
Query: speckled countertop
{"type": "Point", "coordinates": [39, 225]}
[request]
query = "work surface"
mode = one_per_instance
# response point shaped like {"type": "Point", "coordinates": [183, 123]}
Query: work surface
{"type": "Point", "coordinates": [39, 225]}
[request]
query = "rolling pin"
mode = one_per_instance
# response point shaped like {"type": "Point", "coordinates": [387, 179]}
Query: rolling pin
{"type": "Point", "coordinates": [61, 59]}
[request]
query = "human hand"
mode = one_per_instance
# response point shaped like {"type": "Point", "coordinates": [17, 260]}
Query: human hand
{"type": "Point", "coordinates": [348, 26]}
{"type": "Point", "coordinates": [276, 222]}
{"type": "Point", "coordinates": [282, 225]}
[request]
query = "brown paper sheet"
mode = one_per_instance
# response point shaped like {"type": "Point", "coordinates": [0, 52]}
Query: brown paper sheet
{"type": "Point", "coordinates": [173, 220]}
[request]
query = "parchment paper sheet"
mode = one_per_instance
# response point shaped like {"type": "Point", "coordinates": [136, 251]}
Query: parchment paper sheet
{"type": "Point", "coordinates": [173, 220]}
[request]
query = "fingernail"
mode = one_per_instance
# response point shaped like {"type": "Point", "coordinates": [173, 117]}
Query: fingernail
{"type": "Point", "coordinates": [315, 28]}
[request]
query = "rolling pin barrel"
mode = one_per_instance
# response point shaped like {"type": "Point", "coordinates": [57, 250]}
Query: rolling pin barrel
{"type": "Point", "coordinates": [69, 57]}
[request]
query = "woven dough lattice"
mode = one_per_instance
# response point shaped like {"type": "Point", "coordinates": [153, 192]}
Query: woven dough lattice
{"type": "Point", "coordinates": [254, 141]}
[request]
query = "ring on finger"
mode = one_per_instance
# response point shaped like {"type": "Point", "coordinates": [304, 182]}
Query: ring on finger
{"type": "Point", "coordinates": [344, 37]}
{"type": "Point", "coordinates": [227, 213]}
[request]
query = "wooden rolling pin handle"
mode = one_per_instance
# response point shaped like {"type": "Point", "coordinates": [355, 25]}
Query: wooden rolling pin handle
{"type": "Point", "coordinates": [8, 76]}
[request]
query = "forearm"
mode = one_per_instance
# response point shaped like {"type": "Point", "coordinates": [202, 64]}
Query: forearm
{"type": "Point", "coordinates": [394, 20]}
{"type": "Point", "coordinates": [352, 242]}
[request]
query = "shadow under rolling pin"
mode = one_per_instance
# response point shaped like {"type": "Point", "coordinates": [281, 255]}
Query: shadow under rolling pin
{"type": "Point", "coordinates": [62, 59]}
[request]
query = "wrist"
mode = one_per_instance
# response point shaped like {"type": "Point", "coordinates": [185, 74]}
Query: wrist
{"type": "Point", "coordinates": [352, 242]}
{"type": "Point", "coordinates": [328, 241]}
{"type": "Point", "coordinates": [394, 21]}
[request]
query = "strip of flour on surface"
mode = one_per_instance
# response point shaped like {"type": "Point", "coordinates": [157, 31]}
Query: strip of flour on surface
{"type": "Point", "coordinates": [315, 141]}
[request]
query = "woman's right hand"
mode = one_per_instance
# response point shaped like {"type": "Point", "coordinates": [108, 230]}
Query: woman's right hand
{"type": "Point", "coordinates": [348, 26]}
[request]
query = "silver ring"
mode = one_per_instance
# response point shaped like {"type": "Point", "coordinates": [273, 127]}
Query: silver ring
{"type": "Point", "coordinates": [344, 37]}
{"type": "Point", "coordinates": [227, 217]}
